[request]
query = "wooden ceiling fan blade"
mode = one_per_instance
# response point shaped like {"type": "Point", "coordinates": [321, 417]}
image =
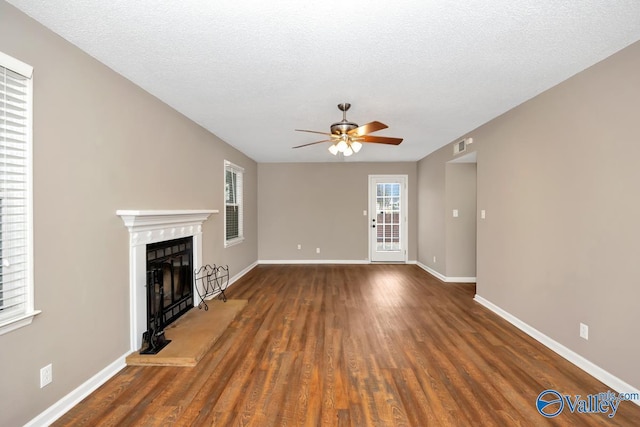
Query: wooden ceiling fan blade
{"type": "Point", "coordinates": [313, 143]}
{"type": "Point", "coordinates": [381, 140]}
{"type": "Point", "coordinates": [313, 131]}
{"type": "Point", "coordinates": [367, 128]}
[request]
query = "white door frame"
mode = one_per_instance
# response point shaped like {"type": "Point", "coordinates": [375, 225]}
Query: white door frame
{"type": "Point", "coordinates": [402, 255]}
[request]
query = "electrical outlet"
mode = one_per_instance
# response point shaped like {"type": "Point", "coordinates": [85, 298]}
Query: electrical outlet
{"type": "Point", "coordinates": [584, 331]}
{"type": "Point", "coordinates": [317, 250]}
{"type": "Point", "coordinates": [434, 259]}
{"type": "Point", "coordinates": [46, 375]}
{"type": "Point", "coordinates": [299, 246]}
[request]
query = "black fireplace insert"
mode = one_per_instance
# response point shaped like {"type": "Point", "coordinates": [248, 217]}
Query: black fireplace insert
{"type": "Point", "coordinates": [169, 288]}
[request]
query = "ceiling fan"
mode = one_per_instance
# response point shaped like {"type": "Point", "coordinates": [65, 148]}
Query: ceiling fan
{"type": "Point", "coordinates": [347, 137]}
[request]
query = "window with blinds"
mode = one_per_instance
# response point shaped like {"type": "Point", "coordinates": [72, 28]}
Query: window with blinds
{"type": "Point", "coordinates": [233, 203]}
{"type": "Point", "coordinates": [16, 278]}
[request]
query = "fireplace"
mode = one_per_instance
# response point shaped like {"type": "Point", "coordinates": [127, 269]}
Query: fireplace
{"type": "Point", "coordinates": [169, 288]}
{"type": "Point", "coordinates": [148, 228]}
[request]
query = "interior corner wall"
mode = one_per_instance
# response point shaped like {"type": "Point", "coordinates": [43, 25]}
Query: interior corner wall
{"type": "Point", "coordinates": [320, 205]}
{"type": "Point", "coordinates": [460, 231]}
{"type": "Point", "coordinates": [100, 144]}
{"type": "Point", "coordinates": [558, 178]}
{"type": "Point", "coordinates": [431, 210]}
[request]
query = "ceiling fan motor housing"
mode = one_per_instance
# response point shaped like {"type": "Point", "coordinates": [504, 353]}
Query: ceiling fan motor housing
{"type": "Point", "coordinates": [342, 127]}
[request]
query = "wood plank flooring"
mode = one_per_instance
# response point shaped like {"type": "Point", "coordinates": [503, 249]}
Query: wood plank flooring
{"type": "Point", "coordinates": [352, 345]}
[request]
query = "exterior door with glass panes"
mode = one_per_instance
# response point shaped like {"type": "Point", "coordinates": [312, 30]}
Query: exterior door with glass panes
{"type": "Point", "coordinates": [388, 218]}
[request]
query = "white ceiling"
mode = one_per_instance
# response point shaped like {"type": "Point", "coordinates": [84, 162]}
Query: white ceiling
{"type": "Point", "coordinates": [252, 71]}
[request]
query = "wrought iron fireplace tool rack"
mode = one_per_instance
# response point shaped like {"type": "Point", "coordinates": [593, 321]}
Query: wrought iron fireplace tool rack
{"type": "Point", "coordinates": [213, 280]}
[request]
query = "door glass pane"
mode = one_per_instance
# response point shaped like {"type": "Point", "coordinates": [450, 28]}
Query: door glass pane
{"type": "Point", "coordinates": [388, 217]}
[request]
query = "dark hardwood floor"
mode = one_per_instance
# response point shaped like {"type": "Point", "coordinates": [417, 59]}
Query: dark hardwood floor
{"type": "Point", "coordinates": [352, 345]}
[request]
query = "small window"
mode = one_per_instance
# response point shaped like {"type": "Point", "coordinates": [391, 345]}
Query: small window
{"type": "Point", "coordinates": [16, 226]}
{"type": "Point", "coordinates": [233, 203]}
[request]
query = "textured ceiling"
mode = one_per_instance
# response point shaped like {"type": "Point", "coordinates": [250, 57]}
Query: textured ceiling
{"type": "Point", "coordinates": [253, 71]}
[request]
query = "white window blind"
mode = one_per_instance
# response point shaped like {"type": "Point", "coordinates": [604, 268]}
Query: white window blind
{"type": "Point", "coordinates": [16, 284]}
{"type": "Point", "coordinates": [233, 222]}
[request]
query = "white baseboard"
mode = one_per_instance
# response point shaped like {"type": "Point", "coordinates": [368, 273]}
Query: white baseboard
{"type": "Point", "coordinates": [460, 280]}
{"type": "Point", "coordinates": [242, 273]}
{"type": "Point", "coordinates": [234, 279]}
{"type": "Point", "coordinates": [445, 278]}
{"type": "Point", "coordinates": [313, 261]}
{"type": "Point", "coordinates": [63, 405]}
{"type": "Point", "coordinates": [591, 368]}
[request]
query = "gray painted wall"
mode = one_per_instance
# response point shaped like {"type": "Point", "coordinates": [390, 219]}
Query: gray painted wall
{"type": "Point", "coordinates": [447, 245]}
{"type": "Point", "coordinates": [558, 177]}
{"type": "Point", "coordinates": [100, 144]}
{"type": "Point", "coordinates": [321, 205]}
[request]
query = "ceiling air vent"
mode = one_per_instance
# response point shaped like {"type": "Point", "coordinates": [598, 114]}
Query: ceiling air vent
{"type": "Point", "coordinates": [461, 146]}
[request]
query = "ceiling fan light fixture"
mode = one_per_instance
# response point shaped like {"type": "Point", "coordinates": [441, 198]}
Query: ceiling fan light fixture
{"type": "Point", "coordinates": [348, 152]}
{"type": "Point", "coordinates": [356, 146]}
{"type": "Point", "coordinates": [342, 146]}
{"type": "Point", "coordinates": [333, 149]}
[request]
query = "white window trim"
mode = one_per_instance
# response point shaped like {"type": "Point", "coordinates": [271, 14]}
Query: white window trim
{"type": "Point", "coordinates": [16, 65]}
{"type": "Point", "coordinates": [233, 242]}
{"type": "Point", "coordinates": [239, 239]}
{"type": "Point", "coordinates": [25, 318]}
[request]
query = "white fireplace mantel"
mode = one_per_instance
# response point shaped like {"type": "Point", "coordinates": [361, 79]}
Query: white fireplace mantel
{"type": "Point", "coordinates": [157, 225]}
{"type": "Point", "coordinates": [151, 226]}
